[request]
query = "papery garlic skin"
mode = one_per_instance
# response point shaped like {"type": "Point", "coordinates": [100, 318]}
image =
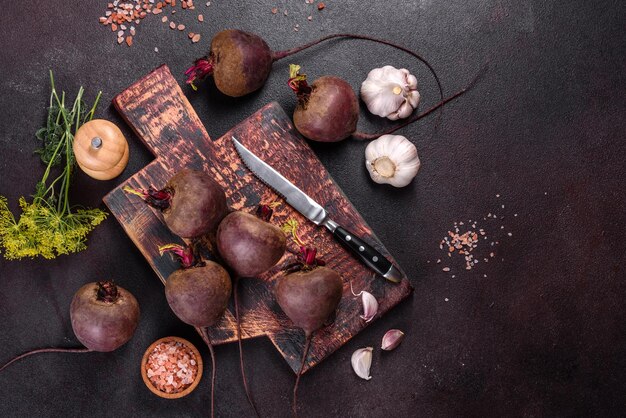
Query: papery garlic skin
{"type": "Point", "coordinates": [362, 362]}
{"type": "Point", "coordinates": [392, 339]}
{"type": "Point", "coordinates": [370, 306]}
{"type": "Point", "coordinates": [392, 159]}
{"type": "Point", "coordinates": [390, 92]}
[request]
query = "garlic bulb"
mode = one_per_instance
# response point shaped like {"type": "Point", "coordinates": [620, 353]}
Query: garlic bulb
{"type": "Point", "coordinates": [392, 159]}
{"type": "Point", "coordinates": [390, 92]}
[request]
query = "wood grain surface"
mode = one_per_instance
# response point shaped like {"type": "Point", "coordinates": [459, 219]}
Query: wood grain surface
{"type": "Point", "coordinates": [162, 117]}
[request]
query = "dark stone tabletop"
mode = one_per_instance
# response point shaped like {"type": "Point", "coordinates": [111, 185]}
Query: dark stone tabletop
{"type": "Point", "coordinates": [538, 330]}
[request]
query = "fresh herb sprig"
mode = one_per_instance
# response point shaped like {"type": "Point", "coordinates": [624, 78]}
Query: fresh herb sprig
{"type": "Point", "coordinates": [49, 226]}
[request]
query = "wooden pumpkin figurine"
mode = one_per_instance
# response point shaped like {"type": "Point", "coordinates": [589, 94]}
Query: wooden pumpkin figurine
{"type": "Point", "coordinates": [101, 150]}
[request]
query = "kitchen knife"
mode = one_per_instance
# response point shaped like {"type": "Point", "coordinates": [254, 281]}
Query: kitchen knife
{"type": "Point", "coordinates": [312, 210]}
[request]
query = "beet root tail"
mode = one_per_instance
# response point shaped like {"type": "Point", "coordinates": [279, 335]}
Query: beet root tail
{"type": "Point", "coordinates": [307, 345]}
{"type": "Point", "coordinates": [45, 350]}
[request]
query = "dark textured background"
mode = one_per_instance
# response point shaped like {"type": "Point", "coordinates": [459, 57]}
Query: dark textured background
{"type": "Point", "coordinates": [543, 334]}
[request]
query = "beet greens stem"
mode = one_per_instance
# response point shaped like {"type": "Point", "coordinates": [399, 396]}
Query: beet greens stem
{"type": "Point", "coordinates": [241, 363]}
{"type": "Point", "coordinates": [46, 350]}
{"type": "Point", "coordinates": [204, 333]}
{"type": "Point", "coordinates": [307, 345]}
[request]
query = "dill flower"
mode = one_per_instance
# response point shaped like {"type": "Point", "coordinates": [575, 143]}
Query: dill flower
{"type": "Point", "coordinates": [49, 226]}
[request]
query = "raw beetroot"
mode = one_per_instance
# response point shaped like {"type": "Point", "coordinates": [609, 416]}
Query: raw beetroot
{"type": "Point", "coordinates": [198, 294]}
{"type": "Point", "coordinates": [240, 62]}
{"type": "Point", "coordinates": [309, 294]}
{"type": "Point", "coordinates": [328, 110]}
{"type": "Point", "coordinates": [309, 297]}
{"type": "Point", "coordinates": [199, 291]}
{"type": "Point", "coordinates": [192, 203]}
{"type": "Point", "coordinates": [104, 316]}
{"type": "Point", "coordinates": [248, 244]}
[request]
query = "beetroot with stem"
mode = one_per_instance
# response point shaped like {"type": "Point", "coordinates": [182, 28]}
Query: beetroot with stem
{"type": "Point", "coordinates": [192, 203]}
{"type": "Point", "coordinates": [328, 110]}
{"type": "Point", "coordinates": [308, 294]}
{"type": "Point", "coordinates": [240, 62]}
{"type": "Point", "coordinates": [198, 294]}
{"type": "Point", "coordinates": [249, 246]}
{"type": "Point", "coordinates": [104, 316]}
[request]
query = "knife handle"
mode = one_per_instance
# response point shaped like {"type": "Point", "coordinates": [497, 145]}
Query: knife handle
{"type": "Point", "coordinates": [372, 258]}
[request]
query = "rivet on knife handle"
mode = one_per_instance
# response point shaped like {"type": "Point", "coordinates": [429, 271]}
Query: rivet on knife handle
{"type": "Point", "coordinates": [374, 260]}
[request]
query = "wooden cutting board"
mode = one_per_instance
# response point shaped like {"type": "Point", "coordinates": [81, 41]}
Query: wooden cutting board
{"type": "Point", "coordinates": [162, 117]}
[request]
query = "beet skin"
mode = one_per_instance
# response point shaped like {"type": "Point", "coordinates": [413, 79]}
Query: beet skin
{"type": "Point", "coordinates": [309, 297]}
{"type": "Point", "coordinates": [241, 62]}
{"type": "Point", "coordinates": [329, 113]}
{"type": "Point", "coordinates": [104, 316]}
{"type": "Point", "coordinates": [249, 245]}
{"type": "Point", "coordinates": [199, 295]}
{"type": "Point", "coordinates": [197, 206]}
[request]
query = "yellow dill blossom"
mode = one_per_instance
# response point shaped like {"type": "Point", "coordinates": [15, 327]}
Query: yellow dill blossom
{"type": "Point", "coordinates": [48, 226]}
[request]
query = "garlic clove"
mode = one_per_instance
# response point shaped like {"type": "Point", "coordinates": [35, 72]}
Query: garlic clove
{"type": "Point", "coordinates": [413, 98]}
{"type": "Point", "coordinates": [362, 362]}
{"type": "Point", "coordinates": [370, 306]}
{"type": "Point", "coordinates": [392, 339]}
{"type": "Point", "coordinates": [392, 159]}
{"type": "Point", "coordinates": [403, 111]}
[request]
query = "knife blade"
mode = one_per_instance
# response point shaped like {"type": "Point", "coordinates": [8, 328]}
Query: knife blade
{"type": "Point", "coordinates": [314, 212]}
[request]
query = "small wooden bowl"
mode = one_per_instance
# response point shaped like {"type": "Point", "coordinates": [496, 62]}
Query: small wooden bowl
{"type": "Point", "coordinates": [149, 384]}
